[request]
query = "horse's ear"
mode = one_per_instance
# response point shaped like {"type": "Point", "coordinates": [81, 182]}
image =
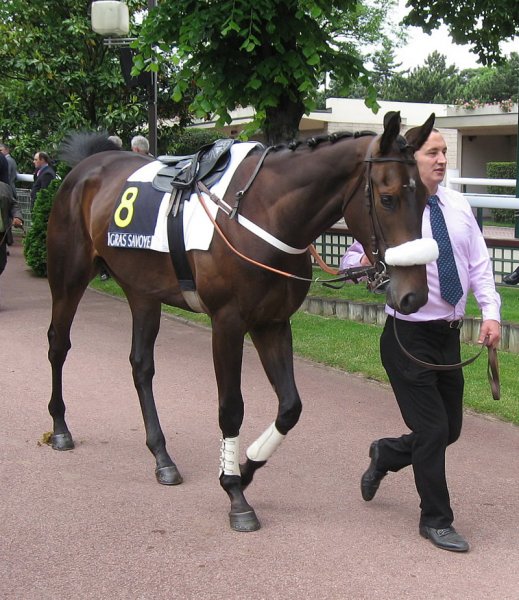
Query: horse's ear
{"type": "Point", "coordinates": [391, 130]}
{"type": "Point", "coordinates": [417, 136]}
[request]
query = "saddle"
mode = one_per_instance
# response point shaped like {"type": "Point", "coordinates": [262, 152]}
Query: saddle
{"type": "Point", "coordinates": [179, 176]}
{"type": "Point", "coordinates": [182, 172]}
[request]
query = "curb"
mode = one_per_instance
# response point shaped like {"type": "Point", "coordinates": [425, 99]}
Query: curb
{"type": "Point", "coordinates": [374, 314]}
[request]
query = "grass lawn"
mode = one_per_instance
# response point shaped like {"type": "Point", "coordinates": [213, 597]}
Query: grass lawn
{"type": "Point", "coordinates": [353, 347]}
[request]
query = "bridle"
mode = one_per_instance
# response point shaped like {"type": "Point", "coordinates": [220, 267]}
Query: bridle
{"type": "Point", "coordinates": [377, 274]}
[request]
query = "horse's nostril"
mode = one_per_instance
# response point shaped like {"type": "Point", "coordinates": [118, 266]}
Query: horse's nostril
{"type": "Point", "coordinates": [409, 304]}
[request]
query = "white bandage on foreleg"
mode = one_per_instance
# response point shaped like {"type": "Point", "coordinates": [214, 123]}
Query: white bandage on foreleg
{"type": "Point", "coordinates": [264, 447]}
{"type": "Point", "coordinates": [230, 456]}
{"type": "Point", "coordinates": [416, 252]}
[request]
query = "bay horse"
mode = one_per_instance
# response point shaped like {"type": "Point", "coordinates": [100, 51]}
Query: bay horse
{"type": "Point", "coordinates": [296, 195]}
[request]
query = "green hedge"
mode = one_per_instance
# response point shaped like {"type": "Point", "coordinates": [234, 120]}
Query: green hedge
{"type": "Point", "coordinates": [35, 246]}
{"type": "Point", "coordinates": [501, 170]}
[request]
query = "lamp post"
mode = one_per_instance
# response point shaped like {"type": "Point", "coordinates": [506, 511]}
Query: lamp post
{"type": "Point", "coordinates": [152, 101]}
{"type": "Point", "coordinates": [516, 233]}
{"type": "Point", "coordinates": [111, 18]}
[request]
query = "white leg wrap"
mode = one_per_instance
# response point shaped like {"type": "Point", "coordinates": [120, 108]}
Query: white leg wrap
{"type": "Point", "coordinates": [264, 447]}
{"type": "Point", "coordinates": [230, 456]}
{"type": "Point", "coordinates": [417, 252]}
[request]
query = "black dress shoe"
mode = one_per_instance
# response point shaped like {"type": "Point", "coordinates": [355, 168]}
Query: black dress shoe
{"type": "Point", "coordinates": [371, 479]}
{"type": "Point", "coordinates": [446, 539]}
{"type": "Point", "coordinates": [512, 278]}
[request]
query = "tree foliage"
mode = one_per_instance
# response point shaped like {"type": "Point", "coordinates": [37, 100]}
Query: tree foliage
{"type": "Point", "coordinates": [481, 23]}
{"type": "Point", "coordinates": [268, 54]}
{"type": "Point", "coordinates": [57, 75]}
{"type": "Point", "coordinates": [435, 82]}
{"type": "Point", "coordinates": [493, 84]}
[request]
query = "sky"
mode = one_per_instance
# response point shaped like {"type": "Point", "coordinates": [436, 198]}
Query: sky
{"type": "Point", "coordinates": [420, 45]}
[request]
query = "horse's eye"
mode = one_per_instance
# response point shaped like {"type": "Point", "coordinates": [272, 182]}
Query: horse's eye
{"type": "Point", "coordinates": [386, 200]}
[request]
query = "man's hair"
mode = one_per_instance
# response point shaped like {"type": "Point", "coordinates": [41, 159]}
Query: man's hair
{"type": "Point", "coordinates": [140, 142]}
{"type": "Point", "coordinates": [4, 147]}
{"type": "Point", "coordinates": [43, 156]}
{"type": "Point", "coordinates": [116, 140]}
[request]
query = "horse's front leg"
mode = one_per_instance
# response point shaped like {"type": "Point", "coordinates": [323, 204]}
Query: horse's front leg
{"type": "Point", "coordinates": [146, 323]}
{"type": "Point", "coordinates": [227, 357]}
{"type": "Point", "coordinates": [273, 342]}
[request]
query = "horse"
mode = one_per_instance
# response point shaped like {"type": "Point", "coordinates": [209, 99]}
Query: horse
{"type": "Point", "coordinates": [245, 282]}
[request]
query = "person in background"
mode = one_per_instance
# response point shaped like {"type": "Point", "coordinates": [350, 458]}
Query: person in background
{"type": "Point", "coordinates": [4, 169]}
{"type": "Point", "coordinates": [512, 278]}
{"type": "Point", "coordinates": [10, 215]}
{"type": "Point", "coordinates": [140, 145]}
{"type": "Point", "coordinates": [12, 174]}
{"type": "Point", "coordinates": [43, 174]}
{"type": "Point", "coordinates": [431, 401]}
{"type": "Point", "coordinates": [116, 140]}
{"type": "Point", "coordinates": [12, 167]}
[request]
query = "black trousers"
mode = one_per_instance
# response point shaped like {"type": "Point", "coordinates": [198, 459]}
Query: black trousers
{"type": "Point", "coordinates": [3, 251]}
{"type": "Point", "coordinates": [431, 403]}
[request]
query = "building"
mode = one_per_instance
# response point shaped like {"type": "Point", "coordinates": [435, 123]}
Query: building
{"type": "Point", "coordinates": [474, 136]}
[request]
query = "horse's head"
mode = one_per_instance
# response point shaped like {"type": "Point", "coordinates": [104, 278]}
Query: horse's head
{"type": "Point", "coordinates": [396, 198]}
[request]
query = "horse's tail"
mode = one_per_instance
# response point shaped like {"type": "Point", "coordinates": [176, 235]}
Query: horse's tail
{"type": "Point", "coordinates": [78, 146]}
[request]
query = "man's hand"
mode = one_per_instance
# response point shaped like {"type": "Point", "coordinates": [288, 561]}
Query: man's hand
{"type": "Point", "coordinates": [17, 222]}
{"type": "Point", "coordinates": [492, 330]}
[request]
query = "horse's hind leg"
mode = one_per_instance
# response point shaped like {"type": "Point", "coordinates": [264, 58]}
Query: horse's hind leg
{"type": "Point", "coordinates": [274, 345]}
{"type": "Point", "coordinates": [67, 290]}
{"type": "Point", "coordinates": [146, 323]}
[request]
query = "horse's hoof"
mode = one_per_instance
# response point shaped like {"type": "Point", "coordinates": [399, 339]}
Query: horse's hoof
{"type": "Point", "coordinates": [246, 521]}
{"type": "Point", "coordinates": [62, 441]}
{"type": "Point", "coordinates": [168, 475]}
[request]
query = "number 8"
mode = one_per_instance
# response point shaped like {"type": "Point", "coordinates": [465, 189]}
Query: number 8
{"type": "Point", "coordinates": [127, 200]}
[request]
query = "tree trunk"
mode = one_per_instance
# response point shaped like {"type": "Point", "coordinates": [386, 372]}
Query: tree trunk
{"type": "Point", "coordinates": [282, 122]}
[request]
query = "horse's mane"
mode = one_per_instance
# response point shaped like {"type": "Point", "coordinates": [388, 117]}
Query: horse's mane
{"type": "Point", "coordinates": [77, 146]}
{"type": "Point", "coordinates": [315, 141]}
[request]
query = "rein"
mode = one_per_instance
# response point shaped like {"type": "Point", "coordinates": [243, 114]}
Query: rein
{"type": "Point", "coordinates": [492, 366]}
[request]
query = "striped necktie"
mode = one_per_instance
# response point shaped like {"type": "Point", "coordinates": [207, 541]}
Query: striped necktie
{"type": "Point", "coordinates": [450, 285]}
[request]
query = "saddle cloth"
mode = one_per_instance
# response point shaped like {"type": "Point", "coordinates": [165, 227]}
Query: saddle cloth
{"type": "Point", "coordinates": [140, 215]}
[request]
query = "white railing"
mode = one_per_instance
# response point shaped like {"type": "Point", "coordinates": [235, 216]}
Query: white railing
{"type": "Point", "coordinates": [480, 181]}
{"type": "Point", "coordinates": [25, 177]}
{"type": "Point", "coordinates": [486, 200]}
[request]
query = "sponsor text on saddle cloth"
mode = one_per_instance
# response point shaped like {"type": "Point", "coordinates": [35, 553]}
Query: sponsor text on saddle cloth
{"type": "Point", "coordinates": [140, 215]}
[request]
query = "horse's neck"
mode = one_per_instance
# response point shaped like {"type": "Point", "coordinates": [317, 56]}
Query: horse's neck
{"type": "Point", "coordinates": [307, 192]}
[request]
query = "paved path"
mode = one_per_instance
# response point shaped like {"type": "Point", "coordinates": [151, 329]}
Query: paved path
{"type": "Point", "coordinates": [93, 524]}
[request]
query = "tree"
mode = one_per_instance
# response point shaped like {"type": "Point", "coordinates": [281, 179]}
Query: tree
{"type": "Point", "coordinates": [384, 69]}
{"type": "Point", "coordinates": [57, 75]}
{"type": "Point", "coordinates": [433, 82]}
{"type": "Point", "coordinates": [269, 54]}
{"type": "Point", "coordinates": [482, 23]}
{"type": "Point", "coordinates": [493, 84]}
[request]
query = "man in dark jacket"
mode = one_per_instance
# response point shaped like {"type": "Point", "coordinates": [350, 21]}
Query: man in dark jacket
{"type": "Point", "coordinates": [44, 174]}
{"type": "Point", "coordinates": [9, 215]}
{"type": "Point", "coordinates": [4, 169]}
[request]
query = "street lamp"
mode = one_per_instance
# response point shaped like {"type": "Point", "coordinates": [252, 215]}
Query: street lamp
{"type": "Point", "coordinates": [111, 18]}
